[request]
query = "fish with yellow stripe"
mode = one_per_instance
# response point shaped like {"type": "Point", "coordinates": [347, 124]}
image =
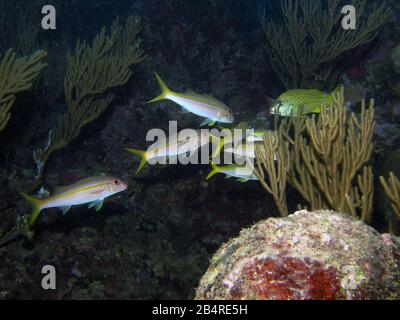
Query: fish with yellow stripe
{"type": "Point", "coordinates": [299, 102]}
{"type": "Point", "coordinates": [174, 145]}
{"type": "Point", "coordinates": [258, 135]}
{"type": "Point", "coordinates": [243, 173]}
{"type": "Point", "coordinates": [247, 149]}
{"type": "Point", "coordinates": [91, 190]}
{"type": "Point", "coordinates": [229, 136]}
{"type": "Point", "coordinates": [204, 106]}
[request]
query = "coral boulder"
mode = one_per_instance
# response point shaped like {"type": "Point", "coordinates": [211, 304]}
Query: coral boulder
{"type": "Point", "coordinates": [309, 255]}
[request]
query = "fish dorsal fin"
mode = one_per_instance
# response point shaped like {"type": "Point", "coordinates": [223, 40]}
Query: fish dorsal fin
{"type": "Point", "coordinates": [205, 98]}
{"type": "Point", "coordinates": [213, 100]}
{"type": "Point", "coordinates": [77, 184]}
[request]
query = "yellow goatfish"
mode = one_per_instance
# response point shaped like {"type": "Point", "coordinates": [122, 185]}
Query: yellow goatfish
{"type": "Point", "coordinates": [247, 150]}
{"type": "Point", "coordinates": [174, 145]}
{"type": "Point", "coordinates": [229, 136]}
{"type": "Point", "coordinates": [258, 135]}
{"type": "Point", "coordinates": [243, 173]}
{"type": "Point", "coordinates": [91, 190]}
{"type": "Point", "coordinates": [205, 106]}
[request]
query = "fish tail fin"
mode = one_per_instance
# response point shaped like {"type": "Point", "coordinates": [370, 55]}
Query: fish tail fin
{"type": "Point", "coordinates": [219, 144]}
{"type": "Point", "coordinates": [36, 205]}
{"type": "Point", "coordinates": [165, 91]}
{"type": "Point", "coordinates": [141, 154]}
{"type": "Point", "coordinates": [215, 170]}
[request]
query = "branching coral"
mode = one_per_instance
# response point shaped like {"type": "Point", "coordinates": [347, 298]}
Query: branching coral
{"type": "Point", "coordinates": [392, 190]}
{"type": "Point", "coordinates": [302, 47]}
{"type": "Point", "coordinates": [91, 72]}
{"type": "Point", "coordinates": [271, 176]}
{"type": "Point", "coordinates": [328, 158]}
{"type": "Point", "coordinates": [22, 20]}
{"type": "Point", "coordinates": [16, 75]}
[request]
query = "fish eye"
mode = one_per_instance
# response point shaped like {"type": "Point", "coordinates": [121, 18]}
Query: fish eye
{"type": "Point", "coordinates": [116, 182]}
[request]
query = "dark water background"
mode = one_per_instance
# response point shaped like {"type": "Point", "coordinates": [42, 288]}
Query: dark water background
{"type": "Point", "coordinates": [154, 241]}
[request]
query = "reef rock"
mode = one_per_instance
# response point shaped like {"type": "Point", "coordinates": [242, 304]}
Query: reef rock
{"type": "Point", "coordinates": [309, 255]}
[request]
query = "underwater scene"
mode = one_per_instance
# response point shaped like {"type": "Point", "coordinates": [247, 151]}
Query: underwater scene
{"type": "Point", "coordinates": [207, 150]}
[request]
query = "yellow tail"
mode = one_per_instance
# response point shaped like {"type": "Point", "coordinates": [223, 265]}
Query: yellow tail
{"type": "Point", "coordinates": [214, 171]}
{"type": "Point", "coordinates": [36, 205]}
{"type": "Point", "coordinates": [141, 154]}
{"type": "Point", "coordinates": [218, 143]}
{"type": "Point", "coordinates": [165, 91]}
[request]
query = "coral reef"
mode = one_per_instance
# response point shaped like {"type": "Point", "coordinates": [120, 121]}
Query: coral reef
{"type": "Point", "coordinates": [327, 159]}
{"type": "Point", "coordinates": [16, 75]}
{"type": "Point", "coordinates": [155, 240]}
{"type": "Point", "coordinates": [309, 255]}
{"type": "Point", "coordinates": [392, 190]}
{"type": "Point", "coordinates": [91, 72]}
{"type": "Point", "coordinates": [273, 177]}
{"type": "Point", "coordinates": [386, 217]}
{"type": "Point", "coordinates": [303, 47]}
{"type": "Point", "coordinates": [23, 18]}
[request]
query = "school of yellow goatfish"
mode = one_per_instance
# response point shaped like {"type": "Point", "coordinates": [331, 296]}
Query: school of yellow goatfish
{"type": "Point", "coordinates": [94, 190]}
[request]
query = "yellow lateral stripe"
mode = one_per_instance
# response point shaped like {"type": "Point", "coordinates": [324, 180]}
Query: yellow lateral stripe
{"type": "Point", "coordinates": [205, 101]}
{"type": "Point", "coordinates": [74, 191]}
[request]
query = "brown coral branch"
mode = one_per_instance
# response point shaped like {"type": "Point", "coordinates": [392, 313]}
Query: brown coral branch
{"type": "Point", "coordinates": [16, 75]}
{"type": "Point", "coordinates": [392, 191]}
{"type": "Point", "coordinates": [92, 70]}
{"type": "Point", "coordinates": [328, 158]}
{"type": "Point", "coordinates": [302, 47]}
{"type": "Point", "coordinates": [273, 174]}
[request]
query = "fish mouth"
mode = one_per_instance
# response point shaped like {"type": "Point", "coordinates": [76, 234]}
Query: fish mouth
{"type": "Point", "coordinates": [123, 186]}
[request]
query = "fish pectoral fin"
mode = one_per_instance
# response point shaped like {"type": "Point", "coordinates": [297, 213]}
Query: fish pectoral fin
{"type": "Point", "coordinates": [318, 109]}
{"type": "Point", "coordinates": [64, 209]}
{"type": "Point", "coordinates": [208, 122]}
{"type": "Point", "coordinates": [205, 122]}
{"type": "Point", "coordinates": [96, 204]}
{"type": "Point", "coordinates": [243, 180]}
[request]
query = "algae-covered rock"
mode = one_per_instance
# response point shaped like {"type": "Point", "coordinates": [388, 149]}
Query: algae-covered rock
{"type": "Point", "coordinates": [309, 255]}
